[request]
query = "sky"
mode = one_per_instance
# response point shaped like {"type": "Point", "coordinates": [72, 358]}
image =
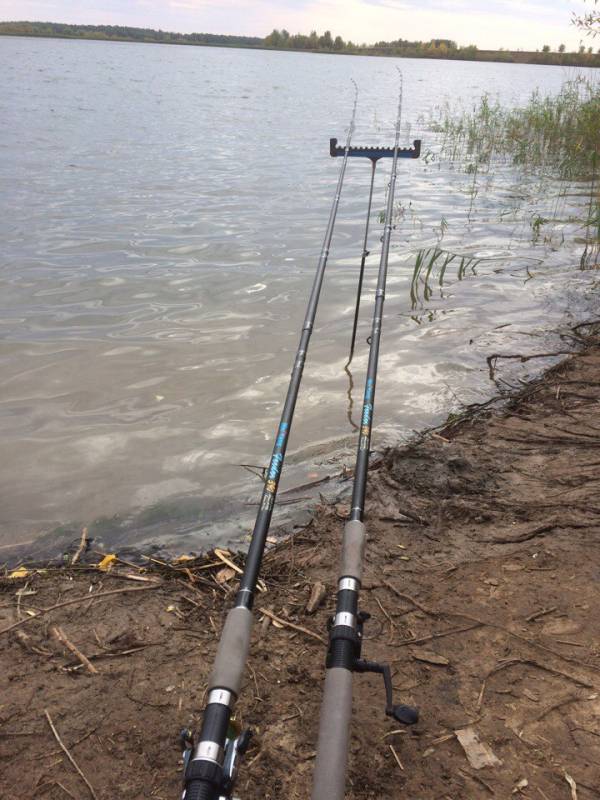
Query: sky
{"type": "Point", "coordinates": [512, 24]}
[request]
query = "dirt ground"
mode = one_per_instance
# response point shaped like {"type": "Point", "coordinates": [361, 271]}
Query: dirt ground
{"type": "Point", "coordinates": [483, 582]}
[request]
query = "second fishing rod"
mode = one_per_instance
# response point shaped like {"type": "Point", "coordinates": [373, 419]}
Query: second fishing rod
{"type": "Point", "coordinates": [210, 758]}
{"type": "Point", "coordinates": [346, 630]}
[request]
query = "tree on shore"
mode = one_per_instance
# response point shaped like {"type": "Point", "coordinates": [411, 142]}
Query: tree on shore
{"type": "Point", "coordinates": [590, 22]}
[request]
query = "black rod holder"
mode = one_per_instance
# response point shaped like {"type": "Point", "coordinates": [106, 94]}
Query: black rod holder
{"type": "Point", "coordinates": [375, 153]}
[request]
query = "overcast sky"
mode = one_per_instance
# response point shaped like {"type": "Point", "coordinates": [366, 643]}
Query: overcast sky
{"type": "Point", "coordinates": [486, 23]}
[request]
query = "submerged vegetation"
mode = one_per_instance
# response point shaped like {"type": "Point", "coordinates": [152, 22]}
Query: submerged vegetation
{"type": "Point", "coordinates": [552, 147]}
{"type": "Point", "coordinates": [431, 265]}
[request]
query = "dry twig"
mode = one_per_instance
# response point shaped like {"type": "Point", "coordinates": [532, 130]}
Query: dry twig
{"type": "Point", "coordinates": [395, 754]}
{"type": "Point", "coordinates": [532, 663]}
{"type": "Point", "coordinates": [68, 755]}
{"type": "Point", "coordinates": [73, 602]}
{"type": "Point", "coordinates": [410, 599]}
{"type": "Point", "coordinates": [81, 547]}
{"type": "Point", "coordinates": [60, 636]}
{"type": "Point", "coordinates": [292, 625]}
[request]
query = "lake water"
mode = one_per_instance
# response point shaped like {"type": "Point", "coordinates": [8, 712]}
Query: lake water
{"type": "Point", "coordinates": [163, 210]}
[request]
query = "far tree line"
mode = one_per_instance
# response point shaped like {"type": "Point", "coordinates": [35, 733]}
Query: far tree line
{"type": "Point", "coordinates": [313, 42]}
{"type": "Point", "coordinates": [435, 48]}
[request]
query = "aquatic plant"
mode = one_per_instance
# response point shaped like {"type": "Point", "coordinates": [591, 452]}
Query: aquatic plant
{"type": "Point", "coordinates": [433, 262]}
{"type": "Point", "coordinates": [554, 136]}
{"type": "Point", "coordinates": [590, 258]}
{"type": "Point", "coordinates": [559, 132]}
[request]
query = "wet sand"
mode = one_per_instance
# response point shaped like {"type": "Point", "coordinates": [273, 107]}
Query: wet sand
{"type": "Point", "coordinates": [482, 582]}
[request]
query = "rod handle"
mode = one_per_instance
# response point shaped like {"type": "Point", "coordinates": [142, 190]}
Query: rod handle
{"type": "Point", "coordinates": [329, 781]}
{"type": "Point", "coordinates": [232, 652]}
{"type": "Point", "coordinates": [353, 549]}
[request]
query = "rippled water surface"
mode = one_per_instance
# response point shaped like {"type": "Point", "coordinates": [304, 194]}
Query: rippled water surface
{"type": "Point", "coordinates": [163, 210]}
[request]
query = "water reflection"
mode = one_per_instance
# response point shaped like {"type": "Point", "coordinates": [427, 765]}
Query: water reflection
{"type": "Point", "coordinates": [353, 424]}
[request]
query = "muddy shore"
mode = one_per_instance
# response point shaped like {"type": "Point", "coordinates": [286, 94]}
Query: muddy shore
{"type": "Point", "coordinates": [482, 579]}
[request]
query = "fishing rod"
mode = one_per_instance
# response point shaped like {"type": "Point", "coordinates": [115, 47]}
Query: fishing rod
{"type": "Point", "coordinates": [210, 759]}
{"type": "Point", "coordinates": [346, 629]}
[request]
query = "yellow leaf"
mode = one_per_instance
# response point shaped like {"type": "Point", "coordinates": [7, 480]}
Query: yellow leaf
{"type": "Point", "coordinates": [21, 572]}
{"type": "Point", "coordinates": [225, 574]}
{"type": "Point", "coordinates": [184, 558]}
{"type": "Point", "coordinates": [107, 562]}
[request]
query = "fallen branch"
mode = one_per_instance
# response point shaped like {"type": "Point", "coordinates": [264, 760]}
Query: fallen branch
{"type": "Point", "coordinates": [404, 513]}
{"type": "Point", "coordinates": [410, 599]}
{"type": "Point", "coordinates": [532, 663]}
{"type": "Point", "coordinates": [553, 707]}
{"type": "Point", "coordinates": [438, 635]}
{"type": "Point", "coordinates": [292, 625]}
{"type": "Point", "coordinates": [220, 554]}
{"type": "Point", "coordinates": [491, 360]}
{"type": "Point", "coordinates": [396, 757]}
{"type": "Point", "coordinates": [61, 637]}
{"type": "Point", "coordinates": [544, 612]}
{"type": "Point", "coordinates": [69, 756]}
{"type": "Point", "coordinates": [540, 531]}
{"type": "Point", "coordinates": [81, 548]}
{"type": "Point", "coordinates": [75, 600]}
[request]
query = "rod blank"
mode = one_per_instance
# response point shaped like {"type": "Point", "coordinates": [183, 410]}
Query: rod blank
{"type": "Point", "coordinates": [346, 631]}
{"type": "Point", "coordinates": [204, 777]}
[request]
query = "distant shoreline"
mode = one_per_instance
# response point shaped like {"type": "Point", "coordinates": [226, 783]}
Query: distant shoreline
{"type": "Point", "coordinates": [586, 60]}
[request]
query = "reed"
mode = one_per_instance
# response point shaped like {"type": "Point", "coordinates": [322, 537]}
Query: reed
{"type": "Point", "coordinates": [431, 265]}
{"type": "Point", "coordinates": [558, 133]}
{"type": "Point", "coordinates": [554, 137]}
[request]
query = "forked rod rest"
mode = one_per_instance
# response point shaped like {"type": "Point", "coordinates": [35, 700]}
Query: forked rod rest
{"type": "Point", "coordinates": [376, 152]}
